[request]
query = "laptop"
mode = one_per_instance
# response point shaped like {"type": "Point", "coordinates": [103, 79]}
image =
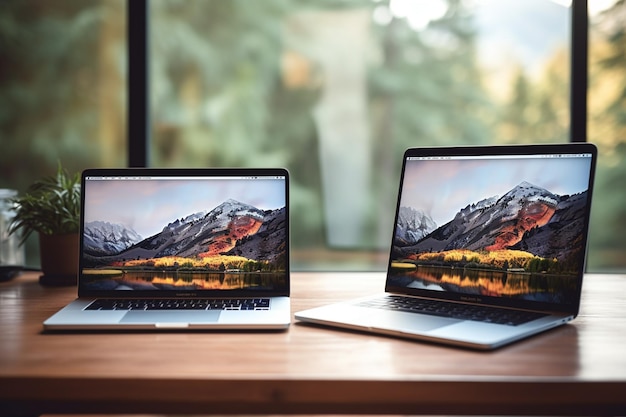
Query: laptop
{"type": "Point", "coordinates": [181, 249]}
{"type": "Point", "coordinates": [488, 246]}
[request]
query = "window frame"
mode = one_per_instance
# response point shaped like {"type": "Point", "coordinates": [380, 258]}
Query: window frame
{"type": "Point", "coordinates": [138, 62]}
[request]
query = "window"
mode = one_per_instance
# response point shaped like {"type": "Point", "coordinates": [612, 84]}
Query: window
{"type": "Point", "coordinates": [334, 90]}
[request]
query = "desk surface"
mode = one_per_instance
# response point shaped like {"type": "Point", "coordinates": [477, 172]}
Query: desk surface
{"type": "Point", "coordinates": [579, 368]}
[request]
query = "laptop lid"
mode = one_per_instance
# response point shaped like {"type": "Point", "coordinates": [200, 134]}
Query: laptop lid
{"type": "Point", "coordinates": [184, 232]}
{"type": "Point", "coordinates": [494, 225]}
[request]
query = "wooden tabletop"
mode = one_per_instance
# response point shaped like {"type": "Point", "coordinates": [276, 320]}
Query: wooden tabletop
{"type": "Point", "coordinates": [579, 368]}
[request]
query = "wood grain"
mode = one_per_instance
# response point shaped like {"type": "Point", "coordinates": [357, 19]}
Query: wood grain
{"type": "Point", "coordinates": [577, 369]}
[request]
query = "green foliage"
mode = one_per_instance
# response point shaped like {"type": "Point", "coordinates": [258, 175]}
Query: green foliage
{"type": "Point", "coordinates": [607, 128]}
{"type": "Point", "coordinates": [51, 205]}
{"type": "Point", "coordinates": [56, 80]}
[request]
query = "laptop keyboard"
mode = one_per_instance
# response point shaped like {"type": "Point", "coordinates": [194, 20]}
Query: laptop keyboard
{"type": "Point", "coordinates": [453, 310]}
{"type": "Point", "coordinates": [181, 304]}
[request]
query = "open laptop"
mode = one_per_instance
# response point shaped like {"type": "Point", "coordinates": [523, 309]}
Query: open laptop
{"type": "Point", "coordinates": [182, 249]}
{"type": "Point", "coordinates": [488, 246]}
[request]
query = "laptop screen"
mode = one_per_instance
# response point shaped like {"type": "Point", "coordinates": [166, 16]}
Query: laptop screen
{"type": "Point", "coordinates": [499, 225]}
{"type": "Point", "coordinates": [150, 230]}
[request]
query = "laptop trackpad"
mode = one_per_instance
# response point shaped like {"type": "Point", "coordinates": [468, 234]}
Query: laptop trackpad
{"type": "Point", "coordinates": [409, 322]}
{"type": "Point", "coordinates": [171, 316]}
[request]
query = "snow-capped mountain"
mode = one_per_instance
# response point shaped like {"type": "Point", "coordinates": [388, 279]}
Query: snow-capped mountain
{"type": "Point", "coordinates": [482, 204]}
{"type": "Point", "coordinates": [103, 238]}
{"type": "Point", "coordinates": [186, 220]}
{"type": "Point", "coordinates": [230, 228]}
{"type": "Point", "coordinates": [264, 244]}
{"type": "Point", "coordinates": [412, 226]}
{"type": "Point", "coordinates": [561, 238]}
{"type": "Point", "coordinates": [527, 218]}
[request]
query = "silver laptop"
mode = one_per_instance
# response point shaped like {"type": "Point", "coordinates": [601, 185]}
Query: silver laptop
{"type": "Point", "coordinates": [488, 246]}
{"type": "Point", "coordinates": [182, 249]}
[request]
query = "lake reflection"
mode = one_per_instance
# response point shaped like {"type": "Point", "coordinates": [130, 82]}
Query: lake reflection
{"type": "Point", "coordinates": [536, 287]}
{"type": "Point", "coordinates": [151, 280]}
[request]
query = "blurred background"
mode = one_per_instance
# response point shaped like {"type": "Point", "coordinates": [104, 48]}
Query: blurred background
{"type": "Point", "coordinates": [333, 90]}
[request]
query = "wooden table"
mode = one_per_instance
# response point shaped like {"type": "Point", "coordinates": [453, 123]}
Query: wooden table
{"type": "Point", "coordinates": [579, 368]}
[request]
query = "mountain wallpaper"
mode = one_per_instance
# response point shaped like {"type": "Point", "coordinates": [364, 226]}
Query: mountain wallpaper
{"type": "Point", "coordinates": [232, 236]}
{"type": "Point", "coordinates": [185, 235]}
{"type": "Point", "coordinates": [527, 242]}
{"type": "Point", "coordinates": [526, 219]}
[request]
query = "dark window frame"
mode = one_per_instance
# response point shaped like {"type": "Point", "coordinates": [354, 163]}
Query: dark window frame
{"type": "Point", "coordinates": [579, 68]}
{"type": "Point", "coordinates": [138, 62]}
{"type": "Point", "coordinates": [139, 131]}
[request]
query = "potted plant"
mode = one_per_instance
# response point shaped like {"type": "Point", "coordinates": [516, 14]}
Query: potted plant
{"type": "Point", "coordinates": [51, 207]}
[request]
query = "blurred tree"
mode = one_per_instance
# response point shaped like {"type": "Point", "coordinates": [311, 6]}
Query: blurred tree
{"type": "Point", "coordinates": [553, 98]}
{"type": "Point", "coordinates": [537, 108]}
{"type": "Point", "coordinates": [516, 116]}
{"type": "Point", "coordinates": [62, 90]}
{"type": "Point", "coordinates": [607, 129]}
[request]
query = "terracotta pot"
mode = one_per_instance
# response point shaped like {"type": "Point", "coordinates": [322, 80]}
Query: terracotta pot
{"type": "Point", "coordinates": [59, 259]}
